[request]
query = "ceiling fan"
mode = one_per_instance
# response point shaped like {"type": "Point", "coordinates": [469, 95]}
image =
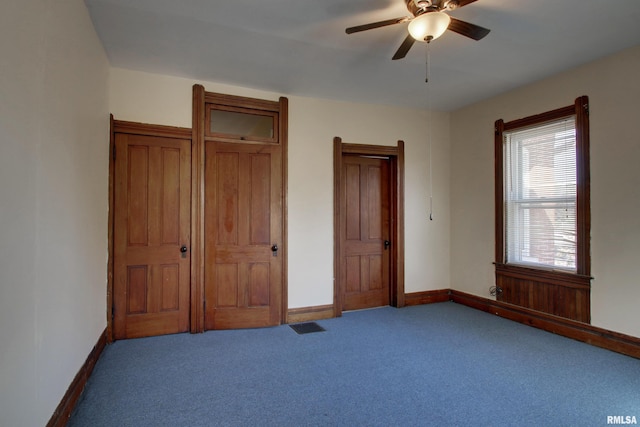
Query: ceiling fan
{"type": "Point", "coordinates": [428, 21]}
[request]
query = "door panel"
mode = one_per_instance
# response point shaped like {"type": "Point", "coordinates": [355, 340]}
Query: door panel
{"type": "Point", "coordinates": [151, 224]}
{"type": "Point", "coordinates": [243, 220]}
{"type": "Point", "coordinates": [364, 228]}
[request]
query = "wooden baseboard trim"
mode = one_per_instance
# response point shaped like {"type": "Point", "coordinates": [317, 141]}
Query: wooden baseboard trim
{"type": "Point", "coordinates": [584, 332]}
{"type": "Point", "coordinates": [62, 413]}
{"type": "Point", "coordinates": [427, 297]}
{"type": "Point", "coordinates": [306, 314]}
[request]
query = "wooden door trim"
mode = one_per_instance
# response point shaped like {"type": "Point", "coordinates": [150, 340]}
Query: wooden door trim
{"type": "Point", "coordinates": [396, 155]}
{"type": "Point", "coordinates": [132, 128]}
{"type": "Point", "coordinates": [241, 101]}
{"type": "Point", "coordinates": [200, 99]}
{"type": "Point", "coordinates": [197, 212]}
{"type": "Point", "coordinates": [284, 141]}
{"type": "Point", "coordinates": [110, 219]}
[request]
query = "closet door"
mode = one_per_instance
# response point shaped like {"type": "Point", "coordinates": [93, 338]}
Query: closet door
{"type": "Point", "coordinates": [243, 235]}
{"type": "Point", "coordinates": [151, 235]}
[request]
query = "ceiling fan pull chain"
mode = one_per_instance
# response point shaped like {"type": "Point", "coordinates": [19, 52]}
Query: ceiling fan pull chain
{"type": "Point", "coordinates": [427, 63]}
{"type": "Point", "coordinates": [429, 130]}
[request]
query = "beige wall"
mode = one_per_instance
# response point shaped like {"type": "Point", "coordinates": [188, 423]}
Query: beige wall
{"type": "Point", "coordinates": [53, 202]}
{"type": "Point", "coordinates": [613, 88]}
{"type": "Point", "coordinates": [313, 123]}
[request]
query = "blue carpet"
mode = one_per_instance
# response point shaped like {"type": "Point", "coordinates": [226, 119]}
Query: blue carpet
{"type": "Point", "coordinates": [439, 364]}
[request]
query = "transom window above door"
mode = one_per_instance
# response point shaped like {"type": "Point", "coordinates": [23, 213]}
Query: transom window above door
{"type": "Point", "coordinates": [242, 124]}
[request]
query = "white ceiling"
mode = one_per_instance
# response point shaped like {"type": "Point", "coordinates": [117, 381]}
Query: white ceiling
{"type": "Point", "coordinates": [299, 47]}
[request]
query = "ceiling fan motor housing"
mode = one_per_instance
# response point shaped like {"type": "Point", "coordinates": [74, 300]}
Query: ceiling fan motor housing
{"type": "Point", "coordinates": [423, 4]}
{"type": "Point", "coordinates": [418, 7]}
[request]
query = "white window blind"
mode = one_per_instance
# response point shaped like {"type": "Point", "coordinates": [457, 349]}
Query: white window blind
{"type": "Point", "coordinates": [540, 195]}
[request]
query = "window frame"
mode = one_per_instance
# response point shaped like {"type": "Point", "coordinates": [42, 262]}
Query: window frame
{"type": "Point", "coordinates": [579, 109]}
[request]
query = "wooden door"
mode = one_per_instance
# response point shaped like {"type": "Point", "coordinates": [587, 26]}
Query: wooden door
{"type": "Point", "coordinates": [151, 235]}
{"type": "Point", "coordinates": [365, 232]}
{"type": "Point", "coordinates": [243, 235]}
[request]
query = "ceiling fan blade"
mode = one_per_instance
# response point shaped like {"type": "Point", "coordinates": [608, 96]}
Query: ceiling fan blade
{"type": "Point", "coordinates": [467, 29]}
{"type": "Point", "coordinates": [404, 47]}
{"type": "Point", "coordinates": [373, 25]}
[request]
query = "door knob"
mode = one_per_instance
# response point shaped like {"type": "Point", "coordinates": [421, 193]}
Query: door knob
{"type": "Point", "coordinates": [387, 244]}
{"type": "Point", "coordinates": [183, 249]}
{"type": "Point", "coordinates": [274, 249]}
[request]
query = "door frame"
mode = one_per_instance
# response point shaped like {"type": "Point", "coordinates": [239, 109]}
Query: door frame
{"type": "Point", "coordinates": [132, 128]}
{"type": "Point", "coordinates": [200, 98]}
{"type": "Point", "coordinates": [396, 265]}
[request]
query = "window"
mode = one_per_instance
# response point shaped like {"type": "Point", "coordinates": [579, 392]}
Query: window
{"type": "Point", "coordinates": [539, 164]}
{"type": "Point", "coordinates": [542, 190]}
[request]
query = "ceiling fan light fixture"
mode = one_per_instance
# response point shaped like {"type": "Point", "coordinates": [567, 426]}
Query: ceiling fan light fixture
{"type": "Point", "coordinates": [429, 26]}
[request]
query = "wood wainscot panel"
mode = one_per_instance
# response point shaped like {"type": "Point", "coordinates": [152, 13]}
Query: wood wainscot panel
{"type": "Point", "coordinates": [554, 292]}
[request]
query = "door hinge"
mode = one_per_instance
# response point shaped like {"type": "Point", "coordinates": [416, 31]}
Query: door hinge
{"type": "Point", "coordinates": [113, 312]}
{"type": "Point", "coordinates": [114, 153]}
